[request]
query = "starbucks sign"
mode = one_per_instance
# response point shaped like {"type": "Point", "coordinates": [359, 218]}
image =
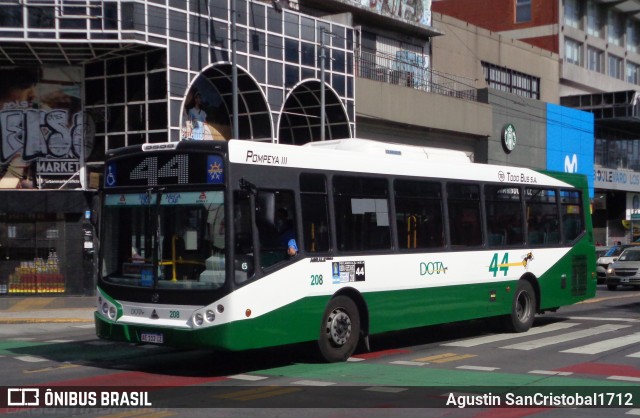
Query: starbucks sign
{"type": "Point", "coordinates": [508, 137]}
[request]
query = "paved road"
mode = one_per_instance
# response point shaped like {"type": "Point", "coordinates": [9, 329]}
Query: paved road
{"type": "Point", "coordinates": [594, 346]}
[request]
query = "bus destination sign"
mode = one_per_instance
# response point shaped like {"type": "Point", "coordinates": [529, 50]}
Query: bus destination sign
{"type": "Point", "coordinates": [164, 169]}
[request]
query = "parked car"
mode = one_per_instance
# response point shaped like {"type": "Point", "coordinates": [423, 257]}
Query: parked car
{"type": "Point", "coordinates": [603, 261]}
{"type": "Point", "coordinates": [625, 271]}
{"type": "Point", "coordinates": [601, 250]}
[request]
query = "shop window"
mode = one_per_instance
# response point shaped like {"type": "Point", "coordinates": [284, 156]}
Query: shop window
{"type": "Point", "coordinates": [32, 248]}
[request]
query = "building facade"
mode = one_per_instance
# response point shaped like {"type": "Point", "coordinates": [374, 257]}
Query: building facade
{"type": "Point", "coordinates": [80, 79]}
{"type": "Point", "coordinates": [598, 44]}
{"type": "Point", "coordinates": [77, 80]}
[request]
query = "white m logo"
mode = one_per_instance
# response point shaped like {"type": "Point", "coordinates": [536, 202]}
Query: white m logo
{"type": "Point", "coordinates": [571, 165]}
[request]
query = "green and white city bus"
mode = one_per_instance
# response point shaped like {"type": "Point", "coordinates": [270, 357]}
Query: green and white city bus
{"type": "Point", "coordinates": [194, 239]}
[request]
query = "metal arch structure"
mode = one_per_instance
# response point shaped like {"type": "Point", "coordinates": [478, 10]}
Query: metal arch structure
{"type": "Point", "coordinates": [254, 115]}
{"type": "Point", "coordinates": [301, 112]}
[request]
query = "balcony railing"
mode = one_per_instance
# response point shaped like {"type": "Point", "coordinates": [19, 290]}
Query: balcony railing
{"type": "Point", "coordinates": [407, 71]}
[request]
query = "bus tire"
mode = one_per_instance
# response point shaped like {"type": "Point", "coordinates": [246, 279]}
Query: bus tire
{"type": "Point", "coordinates": [523, 308]}
{"type": "Point", "coordinates": [340, 330]}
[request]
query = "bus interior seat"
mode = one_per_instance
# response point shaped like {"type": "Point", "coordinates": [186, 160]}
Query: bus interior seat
{"type": "Point", "coordinates": [571, 227]}
{"type": "Point", "coordinates": [535, 237]}
{"type": "Point", "coordinates": [496, 239]}
{"type": "Point", "coordinates": [552, 237]}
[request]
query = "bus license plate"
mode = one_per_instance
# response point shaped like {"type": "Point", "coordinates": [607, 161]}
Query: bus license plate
{"type": "Point", "coordinates": [152, 338]}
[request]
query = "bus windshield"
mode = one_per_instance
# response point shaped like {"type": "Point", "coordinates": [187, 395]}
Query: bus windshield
{"type": "Point", "coordinates": [164, 240]}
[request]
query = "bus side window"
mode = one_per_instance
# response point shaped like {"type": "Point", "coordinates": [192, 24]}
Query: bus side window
{"type": "Point", "coordinates": [315, 212]}
{"type": "Point", "coordinates": [572, 217]}
{"type": "Point", "coordinates": [362, 213]}
{"type": "Point", "coordinates": [543, 226]}
{"type": "Point", "coordinates": [276, 222]}
{"type": "Point", "coordinates": [504, 215]}
{"type": "Point", "coordinates": [464, 214]}
{"type": "Point", "coordinates": [419, 214]}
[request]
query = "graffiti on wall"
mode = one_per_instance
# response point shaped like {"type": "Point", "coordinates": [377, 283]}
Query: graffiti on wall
{"type": "Point", "coordinates": [418, 11]}
{"type": "Point", "coordinates": [42, 128]}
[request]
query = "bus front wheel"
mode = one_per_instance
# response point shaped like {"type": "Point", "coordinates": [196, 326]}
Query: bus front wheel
{"type": "Point", "coordinates": [340, 329]}
{"type": "Point", "coordinates": [523, 308]}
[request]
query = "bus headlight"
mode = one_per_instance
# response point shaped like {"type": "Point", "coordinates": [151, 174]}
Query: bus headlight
{"type": "Point", "coordinates": [105, 308]}
{"type": "Point", "coordinates": [210, 315]}
{"type": "Point", "coordinates": [198, 319]}
{"type": "Point", "coordinates": [112, 312]}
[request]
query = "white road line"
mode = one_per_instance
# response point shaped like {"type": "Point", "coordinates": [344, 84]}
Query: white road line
{"type": "Point", "coordinates": [634, 355]}
{"type": "Point", "coordinates": [550, 372]}
{"type": "Point", "coordinates": [248, 377]}
{"type": "Point", "coordinates": [587, 318]}
{"type": "Point", "coordinates": [605, 345]}
{"type": "Point", "coordinates": [31, 359]}
{"type": "Point", "coordinates": [479, 368]}
{"type": "Point", "coordinates": [570, 336]}
{"type": "Point", "coordinates": [313, 383]}
{"type": "Point", "coordinates": [625, 378]}
{"type": "Point", "coordinates": [633, 412]}
{"type": "Point", "coordinates": [58, 341]}
{"type": "Point", "coordinates": [355, 359]}
{"type": "Point", "coordinates": [472, 342]}
{"type": "Point", "coordinates": [409, 363]}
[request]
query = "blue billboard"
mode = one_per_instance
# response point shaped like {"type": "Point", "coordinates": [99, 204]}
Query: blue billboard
{"type": "Point", "coordinates": [570, 141]}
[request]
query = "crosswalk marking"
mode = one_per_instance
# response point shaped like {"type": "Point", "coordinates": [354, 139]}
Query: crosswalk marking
{"type": "Point", "coordinates": [543, 342]}
{"type": "Point", "coordinates": [587, 318]}
{"type": "Point", "coordinates": [605, 345]}
{"type": "Point", "coordinates": [472, 342]}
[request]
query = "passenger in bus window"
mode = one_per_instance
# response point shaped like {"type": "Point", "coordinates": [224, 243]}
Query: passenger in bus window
{"type": "Point", "coordinates": [285, 227]}
{"type": "Point", "coordinates": [292, 247]}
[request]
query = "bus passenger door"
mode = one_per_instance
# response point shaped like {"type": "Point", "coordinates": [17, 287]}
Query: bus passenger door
{"type": "Point", "coordinates": [243, 237]}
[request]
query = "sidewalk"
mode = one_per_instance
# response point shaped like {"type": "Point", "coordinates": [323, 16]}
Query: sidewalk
{"type": "Point", "coordinates": [36, 309]}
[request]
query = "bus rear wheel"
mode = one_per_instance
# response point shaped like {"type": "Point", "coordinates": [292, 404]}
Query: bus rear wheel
{"type": "Point", "coordinates": [340, 329]}
{"type": "Point", "coordinates": [523, 308]}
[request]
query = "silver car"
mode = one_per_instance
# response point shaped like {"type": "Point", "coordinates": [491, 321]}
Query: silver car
{"type": "Point", "coordinates": [607, 258]}
{"type": "Point", "coordinates": [625, 271]}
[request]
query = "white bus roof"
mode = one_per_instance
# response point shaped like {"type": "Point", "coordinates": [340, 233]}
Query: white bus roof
{"type": "Point", "coordinates": [370, 146]}
{"type": "Point", "coordinates": [382, 158]}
